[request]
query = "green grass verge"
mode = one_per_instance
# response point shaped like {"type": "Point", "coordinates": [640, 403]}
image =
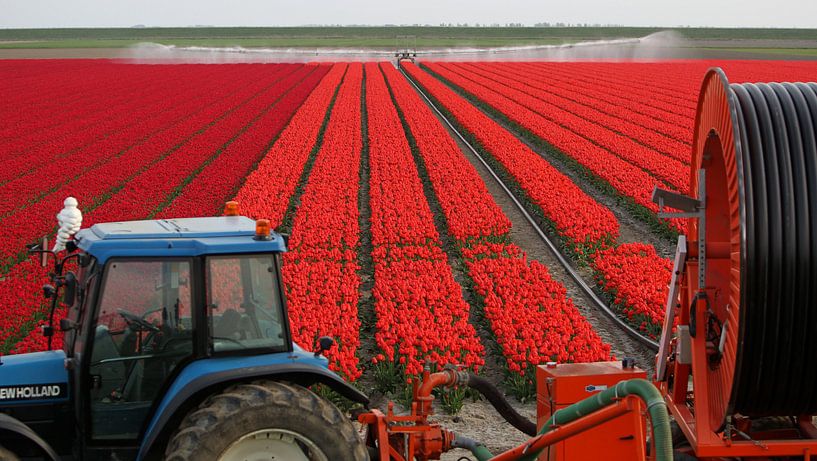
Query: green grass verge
{"type": "Point", "coordinates": [143, 33]}
{"type": "Point", "coordinates": [284, 42]}
{"type": "Point", "coordinates": [777, 51]}
{"type": "Point", "coordinates": [364, 36]}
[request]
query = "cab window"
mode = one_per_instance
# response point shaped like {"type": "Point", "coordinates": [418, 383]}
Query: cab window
{"type": "Point", "coordinates": [244, 305]}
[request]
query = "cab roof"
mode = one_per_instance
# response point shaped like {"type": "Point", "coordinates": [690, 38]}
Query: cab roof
{"type": "Point", "coordinates": [175, 237]}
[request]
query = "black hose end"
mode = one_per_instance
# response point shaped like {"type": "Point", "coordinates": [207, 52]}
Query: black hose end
{"type": "Point", "coordinates": [502, 406]}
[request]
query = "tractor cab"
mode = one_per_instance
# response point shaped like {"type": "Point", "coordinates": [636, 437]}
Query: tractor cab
{"type": "Point", "coordinates": [162, 313]}
{"type": "Point", "coordinates": [155, 295]}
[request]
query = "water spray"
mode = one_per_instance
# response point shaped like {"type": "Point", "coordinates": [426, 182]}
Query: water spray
{"type": "Point", "coordinates": [657, 46]}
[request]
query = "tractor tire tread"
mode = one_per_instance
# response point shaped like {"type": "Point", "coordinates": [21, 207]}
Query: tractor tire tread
{"type": "Point", "coordinates": [188, 443]}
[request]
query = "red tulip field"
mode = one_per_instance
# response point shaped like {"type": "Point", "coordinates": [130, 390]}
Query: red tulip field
{"type": "Point", "coordinates": [398, 249]}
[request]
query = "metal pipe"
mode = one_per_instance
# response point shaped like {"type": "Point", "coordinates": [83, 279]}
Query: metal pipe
{"type": "Point", "coordinates": [477, 448]}
{"type": "Point", "coordinates": [445, 378]}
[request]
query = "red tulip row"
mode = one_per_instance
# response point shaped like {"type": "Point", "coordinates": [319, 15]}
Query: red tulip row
{"type": "Point", "coordinates": [320, 271]}
{"type": "Point", "coordinates": [529, 314]}
{"type": "Point", "coordinates": [523, 164]}
{"type": "Point", "coordinates": [638, 280]}
{"type": "Point", "coordinates": [56, 82]}
{"type": "Point", "coordinates": [65, 109]}
{"type": "Point", "coordinates": [420, 310]}
{"type": "Point", "coordinates": [624, 177]}
{"type": "Point", "coordinates": [165, 161]}
{"type": "Point", "coordinates": [159, 183]}
{"type": "Point", "coordinates": [650, 87]}
{"type": "Point", "coordinates": [94, 189]}
{"type": "Point", "coordinates": [649, 113]}
{"type": "Point", "coordinates": [41, 75]}
{"type": "Point", "coordinates": [266, 191]}
{"type": "Point", "coordinates": [576, 216]}
{"type": "Point", "coordinates": [469, 209]}
{"type": "Point", "coordinates": [657, 165]}
{"type": "Point", "coordinates": [101, 121]}
{"type": "Point", "coordinates": [218, 180]}
{"type": "Point", "coordinates": [643, 129]}
{"type": "Point", "coordinates": [55, 171]}
{"type": "Point", "coordinates": [21, 300]}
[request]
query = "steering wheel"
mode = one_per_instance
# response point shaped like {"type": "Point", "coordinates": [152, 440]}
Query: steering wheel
{"type": "Point", "coordinates": [133, 319]}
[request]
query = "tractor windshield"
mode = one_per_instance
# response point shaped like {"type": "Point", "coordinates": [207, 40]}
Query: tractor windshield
{"type": "Point", "coordinates": [244, 304]}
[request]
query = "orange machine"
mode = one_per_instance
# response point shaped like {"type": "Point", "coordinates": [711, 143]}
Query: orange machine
{"type": "Point", "coordinates": [559, 386]}
{"type": "Point", "coordinates": [738, 370]}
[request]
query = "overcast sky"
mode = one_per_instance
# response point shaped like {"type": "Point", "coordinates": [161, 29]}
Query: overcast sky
{"type": "Point", "coordinates": [125, 13]}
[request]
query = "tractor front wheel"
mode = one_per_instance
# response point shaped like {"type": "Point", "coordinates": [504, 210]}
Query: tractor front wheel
{"type": "Point", "coordinates": [266, 420]}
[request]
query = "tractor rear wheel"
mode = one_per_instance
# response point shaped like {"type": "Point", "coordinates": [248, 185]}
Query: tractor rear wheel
{"type": "Point", "coordinates": [266, 420]}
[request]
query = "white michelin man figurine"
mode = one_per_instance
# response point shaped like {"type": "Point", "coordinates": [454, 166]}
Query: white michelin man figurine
{"type": "Point", "coordinates": [70, 221]}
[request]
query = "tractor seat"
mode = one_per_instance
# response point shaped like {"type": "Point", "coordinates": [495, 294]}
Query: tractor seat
{"type": "Point", "coordinates": [111, 374]}
{"type": "Point", "coordinates": [228, 325]}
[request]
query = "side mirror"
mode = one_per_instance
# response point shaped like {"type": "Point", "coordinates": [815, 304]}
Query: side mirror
{"type": "Point", "coordinates": [324, 344]}
{"type": "Point", "coordinates": [44, 254]}
{"type": "Point", "coordinates": [70, 293]}
{"type": "Point", "coordinates": [48, 291]}
{"type": "Point", "coordinates": [67, 325]}
{"type": "Point", "coordinates": [41, 249]}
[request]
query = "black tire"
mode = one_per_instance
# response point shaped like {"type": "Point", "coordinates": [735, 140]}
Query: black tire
{"type": "Point", "coordinates": [679, 439]}
{"type": "Point", "coordinates": [681, 456]}
{"type": "Point", "coordinates": [679, 443]}
{"type": "Point", "coordinates": [206, 432]}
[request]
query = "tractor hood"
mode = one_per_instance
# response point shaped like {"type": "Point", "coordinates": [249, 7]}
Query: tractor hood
{"type": "Point", "coordinates": [38, 377]}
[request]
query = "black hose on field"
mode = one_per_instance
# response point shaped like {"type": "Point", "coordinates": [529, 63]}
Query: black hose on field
{"type": "Point", "coordinates": [498, 401]}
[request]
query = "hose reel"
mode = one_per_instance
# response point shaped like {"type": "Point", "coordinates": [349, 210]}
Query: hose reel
{"type": "Point", "coordinates": [754, 225]}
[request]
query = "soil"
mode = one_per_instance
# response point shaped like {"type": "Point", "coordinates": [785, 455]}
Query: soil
{"type": "Point", "coordinates": [479, 421]}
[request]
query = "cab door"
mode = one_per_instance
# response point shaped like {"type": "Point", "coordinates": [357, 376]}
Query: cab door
{"type": "Point", "coordinates": [143, 331]}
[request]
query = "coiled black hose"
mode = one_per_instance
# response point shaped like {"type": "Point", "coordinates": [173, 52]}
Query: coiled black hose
{"type": "Point", "coordinates": [777, 164]}
{"type": "Point", "coordinates": [498, 401]}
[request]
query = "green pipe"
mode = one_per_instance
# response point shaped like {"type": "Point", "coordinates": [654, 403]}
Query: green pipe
{"type": "Point", "coordinates": [659, 418]}
{"type": "Point", "coordinates": [482, 453]}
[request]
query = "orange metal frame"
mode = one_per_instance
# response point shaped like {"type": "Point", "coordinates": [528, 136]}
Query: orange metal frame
{"type": "Point", "coordinates": [700, 409]}
{"type": "Point", "coordinates": [702, 436]}
{"type": "Point", "coordinates": [559, 433]}
{"type": "Point", "coordinates": [412, 437]}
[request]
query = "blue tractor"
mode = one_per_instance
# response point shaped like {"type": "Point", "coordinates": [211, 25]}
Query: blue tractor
{"type": "Point", "coordinates": [177, 346]}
